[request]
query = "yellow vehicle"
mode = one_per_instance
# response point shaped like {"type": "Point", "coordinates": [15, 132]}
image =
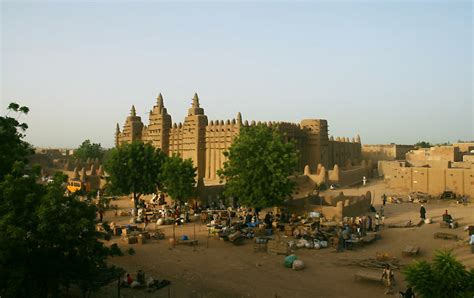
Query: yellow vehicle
{"type": "Point", "coordinates": [74, 185]}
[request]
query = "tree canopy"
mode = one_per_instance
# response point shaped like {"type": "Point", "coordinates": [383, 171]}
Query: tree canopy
{"type": "Point", "coordinates": [48, 241]}
{"type": "Point", "coordinates": [134, 168]}
{"type": "Point", "coordinates": [178, 178]}
{"type": "Point", "coordinates": [444, 277]}
{"type": "Point", "coordinates": [258, 166]}
{"type": "Point", "coordinates": [89, 150]}
{"type": "Point", "coordinates": [423, 144]}
{"type": "Point", "coordinates": [12, 147]}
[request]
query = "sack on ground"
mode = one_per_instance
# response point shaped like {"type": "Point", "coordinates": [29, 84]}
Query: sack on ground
{"type": "Point", "coordinates": [289, 260]}
{"type": "Point", "coordinates": [298, 265]}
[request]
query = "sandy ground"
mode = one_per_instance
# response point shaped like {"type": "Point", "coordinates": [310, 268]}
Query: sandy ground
{"type": "Point", "coordinates": [219, 269]}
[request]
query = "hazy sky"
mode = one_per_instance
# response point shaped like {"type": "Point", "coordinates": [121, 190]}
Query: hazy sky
{"type": "Point", "coordinates": [391, 71]}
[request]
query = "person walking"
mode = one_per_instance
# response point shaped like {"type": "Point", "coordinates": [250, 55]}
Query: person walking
{"type": "Point", "coordinates": [422, 212]}
{"type": "Point", "coordinates": [388, 279]}
{"type": "Point", "coordinates": [384, 199]}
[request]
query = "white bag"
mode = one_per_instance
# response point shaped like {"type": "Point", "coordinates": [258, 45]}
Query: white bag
{"type": "Point", "coordinates": [298, 264]}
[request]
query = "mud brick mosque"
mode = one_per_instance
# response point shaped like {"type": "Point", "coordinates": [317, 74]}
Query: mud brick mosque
{"type": "Point", "coordinates": [205, 141]}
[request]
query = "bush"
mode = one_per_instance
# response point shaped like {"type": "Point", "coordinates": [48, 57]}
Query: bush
{"type": "Point", "coordinates": [444, 277]}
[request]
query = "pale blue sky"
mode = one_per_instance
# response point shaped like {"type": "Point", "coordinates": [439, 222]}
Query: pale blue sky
{"type": "Point", "coordinates": [392, 71]}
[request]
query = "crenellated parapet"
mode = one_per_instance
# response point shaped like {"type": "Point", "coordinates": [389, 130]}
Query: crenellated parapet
{"type": "Point", "coordinates": [345, 139]}
{"type": "Point", "coordinates": [342, 149]}
{"type": "Point", "coordinates": [219, 137]}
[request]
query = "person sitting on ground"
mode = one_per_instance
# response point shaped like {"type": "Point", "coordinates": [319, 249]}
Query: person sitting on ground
{"type": "Point", "coordinates": [255, 220]}
{"type": "Point", "coordinates": [278, 216]}
{"type": "Point", "coordinates": [129, 279]}
{"type": "Point", "coordinates": [317, 222]}
{"type": "Point", "coordinates": [408, 293]}
{"type": "Point", "coordinates": [248, 218]}
{"type": "Point", "coordinates": [447, 218]}
{"type": "Point", "coordinates": [293, 218]}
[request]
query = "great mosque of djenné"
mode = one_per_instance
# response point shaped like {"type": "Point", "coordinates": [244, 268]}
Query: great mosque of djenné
{"type": "Point", "coordinates": [205, 141]}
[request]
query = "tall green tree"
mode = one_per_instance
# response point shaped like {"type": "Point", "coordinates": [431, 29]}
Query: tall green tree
{"type": "Point", "coordinates": [134, 168]}
{"type": "Point", "coordinates": [47, 241]}
{"type": "Point", "coordinates": [178, 178]}
{"type": "Point", "coordinates": [12, 147]}
{"type": "Point", "coordinates": [444, 277]}
{"type": "Point", "coordinates": [259, 163]}
{"type": "Point", "coordinates": [89, 150]}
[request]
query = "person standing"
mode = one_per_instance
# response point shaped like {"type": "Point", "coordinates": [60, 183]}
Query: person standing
{"type": "Point", "coordinates": [377, 222]}
{"type": "Point", "coordinates": [267, 220]}
{"type": "Point", "coordinates": [369, 223]}
{"type": "Point", "coordinates": [340, 243]}
{"type": "Point", "coordinates": [471, 242]}
{"type": "Point", "coordinates": [388, 278]}
{"type": "Point", "coordinates": [363, 224]}
{"type": "Point", "coordinates": [382, 215]}
{"type": "Point", "coordinates": [422, 212]}
{"type": "Point", "coordinates": [345, 236]}
{"type": "Point", "coordinates": [145, 221]}
{"type": "Point", "coordinates": [384, 199]}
